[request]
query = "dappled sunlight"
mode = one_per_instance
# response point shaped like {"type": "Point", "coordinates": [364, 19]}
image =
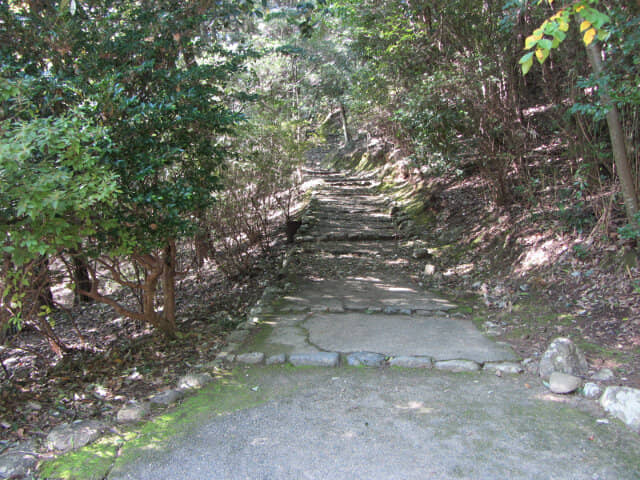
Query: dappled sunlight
{"type": "Point", "coordinates": [399, 289]}
{"type": "Point", "coordinates": [259, 441]}
{"type": "Point", "coordinates": [540, 254]}
{"type": "Point", "coordinates": [551, 397]}
{"type": "Point", "coordinates": [365, 279]}
{"type": "Point", "coordinates": [397, 261]}
{"type": "Point", "coordinates": [414, 406]}
{"type": "Point", "coordinates": [462, 269]}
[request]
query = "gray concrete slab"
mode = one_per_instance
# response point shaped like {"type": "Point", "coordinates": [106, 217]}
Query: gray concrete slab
{"type": "Point", "coordinates": [401, 335]}
{"type": "Point", "coordinates": [291, 339]}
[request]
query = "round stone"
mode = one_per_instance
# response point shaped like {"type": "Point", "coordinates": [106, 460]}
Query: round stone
{"type": "Point", "coordinates": [591, 390]}
{"type": "Point", "coordinates": [458, 366]}
{"type": "Point", "coordinates": [411, 362]}
{"type": "Point", "coordinates": [132, 412]}
{"type": "Point", "coordinates": [563, 383]}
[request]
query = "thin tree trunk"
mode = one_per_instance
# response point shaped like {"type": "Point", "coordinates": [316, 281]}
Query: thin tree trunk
{"type": "Point", "coordinates": [345, 127]}
{"type": "Point", "coordinates": [620, 157]}
{"type": "Point", "coordinates": [169, 286]}
{"type": "Point", "coordinates": [41, 283]}
{"type": "Point", "coordinates": [81, 279]}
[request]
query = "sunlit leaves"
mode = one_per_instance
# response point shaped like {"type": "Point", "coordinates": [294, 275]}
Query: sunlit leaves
{"type": "Point", "coordinates": [552, 32]}
{"type": "Point", "coordinates": [52, 183]}
{"type": "Point", "coordinates": [589, 35]}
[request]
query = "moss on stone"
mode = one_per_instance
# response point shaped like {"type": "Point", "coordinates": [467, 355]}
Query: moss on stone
{"type": "Point", "coordinates": [92, 462]}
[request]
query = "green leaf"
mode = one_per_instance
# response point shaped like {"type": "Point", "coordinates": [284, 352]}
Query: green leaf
{"type": "Point", "coordinates": [525, 58]}
{"type": "Point", "coordinates": [545, 44]}
{"type": "Point", "coordinates": [526, 61]}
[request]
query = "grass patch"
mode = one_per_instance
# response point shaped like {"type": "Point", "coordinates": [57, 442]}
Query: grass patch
{"type": "Point", "coordinates": [601, 351]}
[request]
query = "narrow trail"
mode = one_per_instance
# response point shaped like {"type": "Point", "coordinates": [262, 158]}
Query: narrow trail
{"type": "Point", "coordinates": [350, 300]}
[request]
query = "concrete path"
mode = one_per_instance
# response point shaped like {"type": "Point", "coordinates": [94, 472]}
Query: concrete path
{"type": "Point", "coordinates": [349, 291]}
{"type": "Point", "coordinates": [379, 424]}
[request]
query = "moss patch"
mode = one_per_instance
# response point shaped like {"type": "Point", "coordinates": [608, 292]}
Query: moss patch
{"type": "Point", "coordinates": [257, 340]}
{"type": "Point", "coordinates": [90, 463]}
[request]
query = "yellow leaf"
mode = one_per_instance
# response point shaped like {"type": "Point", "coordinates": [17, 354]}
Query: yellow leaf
{"type": "Point", "coordinates": [550, 2]}
{"type": "Point", "coordinates": [541, 55]}
{"type": "Point", "coordinates": [585, 25]}
{"type": "Point", "coordinates": [581, 7]}
{"type": "Point", "coordinates": [563, 26]}
{"type": "Point", "coordinates": [531, 40]}
{"type": "Point", "coordinates": [589, 36]}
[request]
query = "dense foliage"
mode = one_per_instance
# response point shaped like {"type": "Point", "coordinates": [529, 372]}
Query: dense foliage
{"type": "Point", "coordinates": [113, 114]}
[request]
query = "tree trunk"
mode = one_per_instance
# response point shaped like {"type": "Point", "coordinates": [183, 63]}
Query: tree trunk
{"type": "Point", "coordinates": [345, 128]}
{"type": "Point", "coordinates": [81, 279]}
{"type": "Point", "coordinates": [169, 286]}
{"type": "Point", "coordinates": [41, 283]}
{"type": "Point", "coordinates": [620, 157]}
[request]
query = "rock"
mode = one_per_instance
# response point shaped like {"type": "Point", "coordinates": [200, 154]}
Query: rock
{"type": "Point", "coordinates": [591, 390]}
{"type": "Point", "coordinates": [603, 375]}
{"type": "Point", "coordinates": [17, 462]}
{"type": "Point", "coordinates": [277, 359]}
{"type": "Point", "coordinates": [397, 310]}
{"type": "Point", "coordinates": [563, 382]}
{"type": "Point", "coordinates": [366, 359]}
{"type": "Point", "coordinates": [624, 404]}
{"type": "Point", "coordinates": [564, 357]}
{"type": "Point", "coordinates": [492, 329]}
{"type": "Point", "coordinates": [503, 367]}
{"type": "Point", "coordinates": [531, 365]}
{"type": "Point", "coordinates": [421, 253]}
{"type": "Point", "coordinates": [132, 412]}
{"type": "Point", "coordinates": [225, 357]}
{"type": "Point", "coordinates": [71, 436]}
{"type": "Point", "coordinates": [318, 359]}
{"type": "Point", "coordinates": [166, 398]}
{"type": "Point", "coordinates": [429, 270]}
{"type": "Point", "coordinates": [194, 380]}
{"type": "Point", "coordinates": [458, 365]}
{"type": "Point", "coordinates": [252, 358]}
{"type": "Point", "coordinates": [411, 362]}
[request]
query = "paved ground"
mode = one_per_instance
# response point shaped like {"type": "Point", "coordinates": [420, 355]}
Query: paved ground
{"type": "Point", "coordinates": [350, 291]}
{"type": "Point", "coordinates": [404, 424]}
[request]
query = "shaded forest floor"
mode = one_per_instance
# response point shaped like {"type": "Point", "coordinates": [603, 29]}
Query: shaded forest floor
{"type": "Point", "coordinates": [116, 360]}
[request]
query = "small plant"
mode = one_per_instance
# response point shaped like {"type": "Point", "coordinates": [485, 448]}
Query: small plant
{"type": "Point", "coordinates": [580, 251]}
{"type": "Point", "coordinates": [631, 231]}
